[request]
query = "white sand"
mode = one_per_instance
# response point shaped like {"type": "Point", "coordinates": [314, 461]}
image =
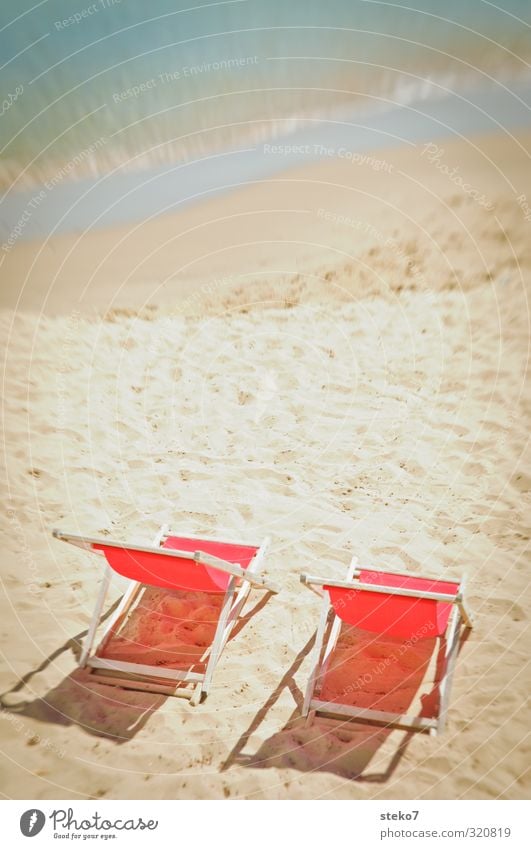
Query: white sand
{"type": "Point", "coordinates": [336, 392]}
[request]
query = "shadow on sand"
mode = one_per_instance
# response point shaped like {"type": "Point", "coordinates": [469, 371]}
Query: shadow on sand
{"type": "Point", "coordinates": [358, 675]}
{"type": "Point", "coordinates": [103, 710]}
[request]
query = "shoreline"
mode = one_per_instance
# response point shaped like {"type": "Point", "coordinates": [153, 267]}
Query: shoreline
{"type": "Point", "coordinates": [256, 237]}
{"type": "Point", "coordinates": [62, 205]}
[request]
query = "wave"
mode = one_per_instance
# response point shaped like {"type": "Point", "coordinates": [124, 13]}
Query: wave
{"type": "Point", "coordinates": [147, 144]}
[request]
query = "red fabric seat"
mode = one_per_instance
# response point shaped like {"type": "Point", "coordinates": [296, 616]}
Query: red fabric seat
{"type": "Point", "coordinates": [394, 615]}
{"type": "Point", "coordinates": [158, 570]}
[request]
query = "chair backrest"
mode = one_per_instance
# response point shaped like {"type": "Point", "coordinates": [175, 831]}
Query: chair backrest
{"type": "Point", "coordinates": [159, 570]}
{"type": "Point", "coordinates": [394, 615]}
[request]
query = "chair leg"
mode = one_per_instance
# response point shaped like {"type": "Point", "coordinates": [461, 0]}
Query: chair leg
{"type": "Point", "coordinates": [330, 645]}
{"type": "Point", "coordinates": [452, 646]}
{"type": "Point", "coordinates": [228, 618]}
{"type": "Point", "coordinates": [198, 692]}
{"type": "Point", "coordinates": [319, 640]}
{"type": "Point", "coordinates": [466, 615]}
{"type": "Point", "coordinates": [95, 617]}
{"type": "Point", "coordinates": [310, 718]}
{"type": "Point", "coordinates": [316, 654]}
{"type": "Point", "coordinates": [217, 644]}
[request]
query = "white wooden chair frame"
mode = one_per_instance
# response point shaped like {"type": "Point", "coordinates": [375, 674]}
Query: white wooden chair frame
{"type": "Point", "coordinates": [159, 679]}
{"type": "Point", "coordinates": [328, 632]}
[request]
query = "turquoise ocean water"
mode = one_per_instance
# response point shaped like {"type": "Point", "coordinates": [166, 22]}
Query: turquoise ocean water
{"type": "Point", "coordinates": [92, 90]}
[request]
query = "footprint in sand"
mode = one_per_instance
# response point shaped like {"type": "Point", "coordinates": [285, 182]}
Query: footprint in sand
{"type": "Point", "coordinates": [521, 482]}
{"type": "Point", "coordinates": [504, 606]}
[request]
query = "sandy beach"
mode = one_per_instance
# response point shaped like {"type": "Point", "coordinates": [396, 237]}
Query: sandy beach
{"type": "Point", "coordinates": [335, 357]}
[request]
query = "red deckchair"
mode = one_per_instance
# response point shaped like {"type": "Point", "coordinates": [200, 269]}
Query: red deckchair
{"type": "Point", "coordinates": [390, 604]}
{"type": "Point", "coordinates": [223, 568]}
